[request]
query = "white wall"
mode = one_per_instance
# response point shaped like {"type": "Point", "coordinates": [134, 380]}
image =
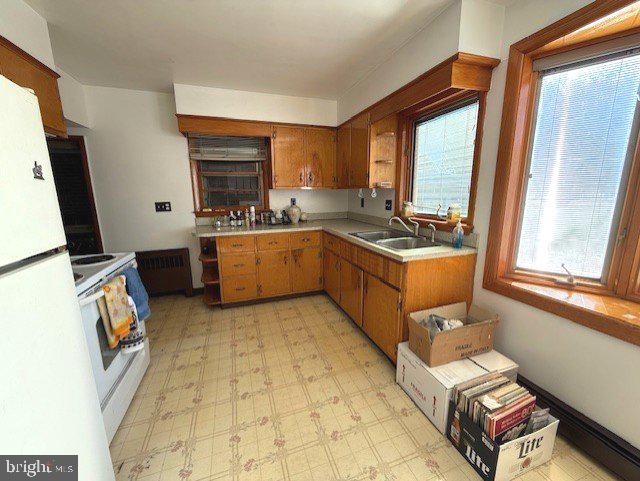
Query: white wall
{"type": "Point", "coordinates": [22, 26]}
{"type": "Point", "coordinates": [74, 105]}
{"type": "Point", "coordinates": [592, 372]}
{"type": "Point", "coordinates": [372, 206]}
{"type": "Point", "coordinates": [137, 157]}
{"type": "Point", "coordinates": [239, 104]}
{"type": "Point", "coordinates": [311, 201]}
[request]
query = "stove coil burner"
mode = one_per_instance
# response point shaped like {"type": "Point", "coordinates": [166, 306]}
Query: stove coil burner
{"type": "Point", "coordinates": [93, 259]}
{"type": "Point", "coordinates": [77, 277]}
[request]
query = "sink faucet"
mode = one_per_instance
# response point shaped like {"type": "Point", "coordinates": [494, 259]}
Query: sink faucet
{"type": "Point", "coordinates": [416, 226]}
{"type": "Point", "coordinates": [432, 228]}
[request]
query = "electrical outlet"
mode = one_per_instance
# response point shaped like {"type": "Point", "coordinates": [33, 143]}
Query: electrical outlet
{"type": "Point", "coordinates": [361, 202]}
{"type": "Point", "coordinates": [164, 206]}
{"type": "Point", "coordinates": [388, 204]}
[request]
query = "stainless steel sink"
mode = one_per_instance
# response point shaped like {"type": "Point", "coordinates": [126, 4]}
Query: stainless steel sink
{"type": "Point", "coordinates": [374, 236]}
{"type": "Point", "coordinates": [405, 243]}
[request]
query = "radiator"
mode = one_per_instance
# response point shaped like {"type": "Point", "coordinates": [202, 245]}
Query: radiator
{"type": "Point", "coordinates": [165, 271]}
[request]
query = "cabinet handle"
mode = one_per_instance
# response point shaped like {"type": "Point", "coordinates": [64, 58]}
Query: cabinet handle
{"type": "Point", "coordinates": [286, 259]}
{"type": "Point", "coordinates": [301, 178]}
{"type": "Point", "coordinates": [238, 265]}
{"type": "Point", "coordinates": [258, 261]}
{"type": "Point", "coordinates": [272, 242]}
{"type": "Point", "coordinates": [240, 288]}
{"type": "Point", "coordinates": [259, 289]}
{"type": "Point", "coordinates": [237, 245]}
{"type": "Point", "coordinates": [310, 177]}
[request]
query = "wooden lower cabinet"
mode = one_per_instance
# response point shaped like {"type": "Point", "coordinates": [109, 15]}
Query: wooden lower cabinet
{"type": "Point", "coordinates": [351, 290]}
{"type": "Point", "coordinates": [381, 315]}
{"type": "Point", "coordinates": [306, 269]}
{"type": "Point", "coordinates": [239, 288]}
{"type": "Point", "coordinates": [273, 273]}
{"type": "Point", "coordinates": [331, 270]}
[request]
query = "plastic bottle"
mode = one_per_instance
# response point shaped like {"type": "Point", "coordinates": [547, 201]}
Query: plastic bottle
{"type": "Point", "coordinates": [232, 219]}
{"type": "Point", "coordinates": [252, 216]}
{"type": "Point", "coordinates": [457, 235]}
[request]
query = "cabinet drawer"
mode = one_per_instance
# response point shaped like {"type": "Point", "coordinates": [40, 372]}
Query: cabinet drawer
{"type": "Point", "coordinates": [239, 288]}
{"type": "Point", "coordinates": [381, 267]}
{"type": "Point", "coordinates": [300, 240]}
{"type": "Point", "coordinates": [348, 251]}
{"type": "Point", "coordinates": [237, 265]}
{"type": "Point", "coordinates": [332, 243]}
{"type": "Point", "coordinates": [272, 242]}
{"type": "Point", "coordinates": [239, 243]}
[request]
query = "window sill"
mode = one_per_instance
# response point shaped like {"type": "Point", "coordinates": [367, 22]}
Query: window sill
{"type": "Point", "coordinates": [616, 317]}
{"type": "Point", "coordinates": [442, 225]}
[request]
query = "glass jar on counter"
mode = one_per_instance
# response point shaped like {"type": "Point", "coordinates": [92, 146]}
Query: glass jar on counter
{"type": "Point", "coordinates": [407, 209]}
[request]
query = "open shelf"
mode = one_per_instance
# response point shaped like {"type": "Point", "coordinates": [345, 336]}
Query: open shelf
{"type": "Point", "coordinates": [208, 258]}
{"type": "Point", "coordinates": [211, 295]}
{"type": "Point", "coordinates": [210, 277]}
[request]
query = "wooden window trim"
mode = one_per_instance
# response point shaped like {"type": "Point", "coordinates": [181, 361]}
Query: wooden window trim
{"type": "Point", "coordinates": [597, 306]}
{"type": "Point", "coordinates": [408, 122]}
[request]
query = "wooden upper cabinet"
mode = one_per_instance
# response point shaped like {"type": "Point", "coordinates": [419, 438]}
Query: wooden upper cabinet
{"type": "Point", "coordinates": [303, 157]}
{"type": "Point", "coordinates": [26, 71]}
{"type": "Point", "coordinates": [381, 315]}
{"type": "Point", "coordinates": [343, 154]}
{"type": "Point", "coordinates": [359, 159]}
{"type": "Point", "coordinates": [320, 152]}
{"type": "Point", "coordinates": [383, 152]}
{"type": "Point", "coordinates": [288, 157]}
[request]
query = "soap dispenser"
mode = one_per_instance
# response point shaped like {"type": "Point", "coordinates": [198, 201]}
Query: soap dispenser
{"type": "Point", "coordinates": [457, 235]}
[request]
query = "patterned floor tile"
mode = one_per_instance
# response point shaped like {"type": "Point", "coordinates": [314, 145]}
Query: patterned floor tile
{"type": "Point", "coordinates": [287, 390]}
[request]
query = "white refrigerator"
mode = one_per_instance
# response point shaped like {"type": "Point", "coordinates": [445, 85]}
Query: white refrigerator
{"type": "Point", "coordinates": [48, 399]}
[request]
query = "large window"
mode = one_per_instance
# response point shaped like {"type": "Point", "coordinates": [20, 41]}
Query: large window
{"type": "Point", "coordinates": [564, 231]}
{"type": "Point", "coordinates": [582, 146]}
{"type": "Point", "coordinates": [443, 159]}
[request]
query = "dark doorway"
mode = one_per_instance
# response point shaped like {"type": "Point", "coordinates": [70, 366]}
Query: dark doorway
{"type": "Point", "coordinates": [75, 195]}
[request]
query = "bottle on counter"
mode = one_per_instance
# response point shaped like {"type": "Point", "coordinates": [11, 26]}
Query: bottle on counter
{"type": "Point", "coordinates": [252, 216]}
{"type": "Point", "coordinates": [232, 219]}
{"type": "Point", "coordinates": [457, 235]}
{"type": "Point", "coordinates": [239, 219]}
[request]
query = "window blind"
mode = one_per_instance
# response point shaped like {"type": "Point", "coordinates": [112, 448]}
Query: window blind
{"type": "Point", "coordinates": [583, 137]}
{"type": "Point", "coordinates": [443, 159]}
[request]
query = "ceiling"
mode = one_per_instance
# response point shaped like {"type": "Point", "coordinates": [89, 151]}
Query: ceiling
{"type": "Point", "coordinates": [310, 48]}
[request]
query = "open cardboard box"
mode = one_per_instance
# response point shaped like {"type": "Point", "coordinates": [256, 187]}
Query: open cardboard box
{"type": "Point", "coordinates": [471, 339]}
{"type": "Point", "coordinates": [499, 462]}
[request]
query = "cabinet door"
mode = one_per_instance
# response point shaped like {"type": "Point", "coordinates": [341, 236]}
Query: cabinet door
{"type": "Point", "coordinates": [273, 273]}
{"type": "Point", "coordinates": [332, 265]}
{"type": "Point", "coordinates": [320, 153]}
{"type": "Point", "coordinates": [359, 161]}
{"type": "Point", "coordinates": [381, 315]}
{"type": "Point", "coordinates": [382, 152]}
{"type": "Point", "coordinates": [288, 159]}
{"type": "Point", "coordinates": [351, 290]}
{"type": "Point", "coordinates": [306, 269]}
{"type": "Point", "coordinates": [42, 80]}
{"type": "Point", "coordinates": [343, 154]}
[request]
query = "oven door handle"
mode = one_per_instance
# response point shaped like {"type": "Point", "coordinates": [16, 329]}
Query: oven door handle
{"type": "Point", "coordinates": [91, 298]}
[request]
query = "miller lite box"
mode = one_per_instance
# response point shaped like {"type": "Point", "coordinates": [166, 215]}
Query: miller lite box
{"type": "Point", "coordinates": [500, 462]}
{"type": "Point", "coordinates": [431, 388]}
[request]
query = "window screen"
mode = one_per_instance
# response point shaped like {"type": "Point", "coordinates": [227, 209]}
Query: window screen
{"type": "Point", "coordinates": [582, 139]}
{"type": "Point", "coordinates": [443, 159]}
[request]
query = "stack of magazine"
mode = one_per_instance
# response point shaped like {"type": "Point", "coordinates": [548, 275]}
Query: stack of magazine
{"type": "Point", "coordinates": [502, 408]}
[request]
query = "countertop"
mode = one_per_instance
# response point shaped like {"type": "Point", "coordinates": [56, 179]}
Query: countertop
{"type": "Point", "coordinates": [340, 228]}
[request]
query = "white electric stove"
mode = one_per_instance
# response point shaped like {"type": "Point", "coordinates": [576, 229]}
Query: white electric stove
{"type": "Point", "coordinates": [117, 374]}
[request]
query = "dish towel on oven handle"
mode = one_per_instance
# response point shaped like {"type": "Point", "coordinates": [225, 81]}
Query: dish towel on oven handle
{"type": "Point", "coordinates": [134, 341]}
{"type": "Point", "coordinates": [112, 339]}
{"type": "Point", "coordinates": [120, 314]}
{"type": "Point", "coordinates": [136, 290]}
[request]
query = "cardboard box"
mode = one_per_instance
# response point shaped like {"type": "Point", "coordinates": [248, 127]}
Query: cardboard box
{"type": "Point", "coordinates": [431, 388]}
{"type": "Point", "coordinates": [472, 339]}
{"type": "Point", "coordinates": [494, 361]}
{"type": "Point", "coordinates": [499, 462]}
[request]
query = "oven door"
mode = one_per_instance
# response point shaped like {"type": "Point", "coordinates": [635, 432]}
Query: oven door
{"type": "Point", "coordinates": [109, 365]}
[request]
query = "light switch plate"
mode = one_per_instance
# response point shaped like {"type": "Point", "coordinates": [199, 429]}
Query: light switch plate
{"type": "Point", "coordinates": [164, 206]}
